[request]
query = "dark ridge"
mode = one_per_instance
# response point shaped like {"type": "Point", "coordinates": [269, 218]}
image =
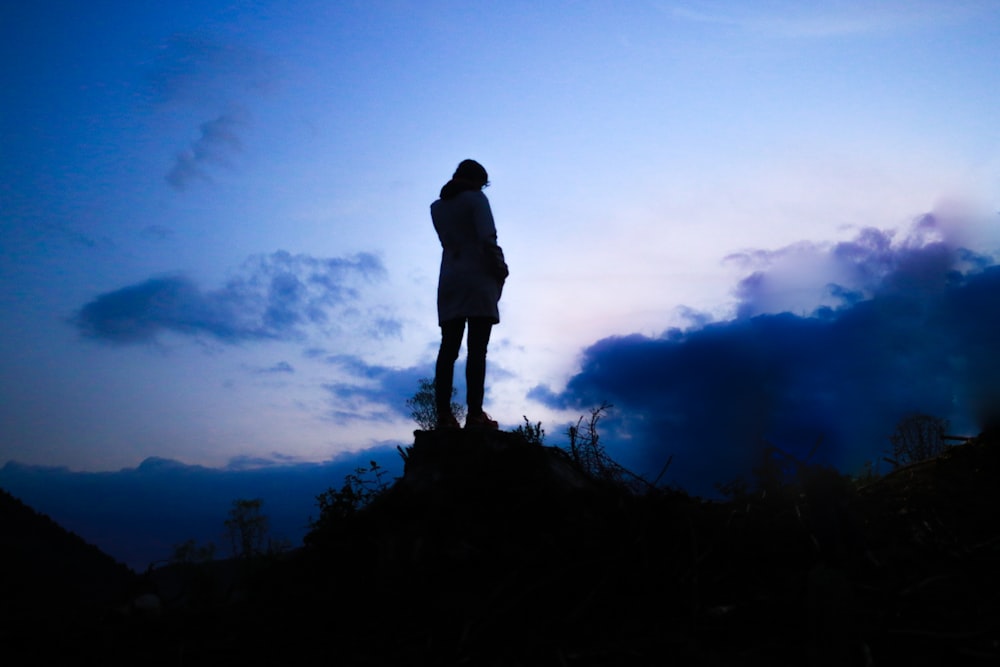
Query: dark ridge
{"type": "Point", "coordinates": [52, 581]}
{"type": "Point", "coordinates": [493, 550]}
{"type": "Point", "coordinates": [33, 544]}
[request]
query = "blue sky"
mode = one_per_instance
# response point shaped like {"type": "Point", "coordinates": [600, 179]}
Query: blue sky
{"type": "Point", "coordinates": [215, 243]}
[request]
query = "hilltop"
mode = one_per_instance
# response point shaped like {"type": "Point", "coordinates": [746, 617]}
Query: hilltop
{"type": "Point", "coordinates": [495, 549]}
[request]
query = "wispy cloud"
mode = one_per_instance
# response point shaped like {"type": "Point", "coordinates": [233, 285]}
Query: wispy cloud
{"type": "Point", "coordinates": [803, 20]}
{"type": "Point", "coordinates": [217, 145]}
{"type": "Point", "coordinates": [274, 297]}
{"type": "Point", "coordinates": [281, 367]}
{"type": "Point", "coordinates": [372, 391]}
{"type": "Point", "coordinates": [245, 462]}
{"type": "Point", "coordinates": [215, 79]}
{"type": "Point", "coordinates": [908, 323]}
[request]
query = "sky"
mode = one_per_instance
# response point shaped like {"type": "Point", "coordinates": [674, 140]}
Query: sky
{"type": "Point", "coordinates": [734, 222]}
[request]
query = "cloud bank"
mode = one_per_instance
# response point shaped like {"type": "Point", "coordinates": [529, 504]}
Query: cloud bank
{"type": "Point", "coordinates": [274, 297]}
{"type": "Point", "coordinates": [903, 324]}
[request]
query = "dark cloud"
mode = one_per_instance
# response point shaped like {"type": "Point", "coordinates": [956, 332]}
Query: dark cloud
{"type": "Point", "coordinates": [278, 368]}
{"type": "Point", "coordinates": [904, 324]}
{"type": "Point", "coordinates": [382, 386]}
{"type": "Point", "coordinates": [275, 297]}
{"type": "Point", "coordinates": [376, 392]}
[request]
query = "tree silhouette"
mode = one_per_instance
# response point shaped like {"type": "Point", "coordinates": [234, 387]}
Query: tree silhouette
{"type": "Point", "coordinates": [247, 527]}
{"type": "Point", "coordinates": [917, 437]}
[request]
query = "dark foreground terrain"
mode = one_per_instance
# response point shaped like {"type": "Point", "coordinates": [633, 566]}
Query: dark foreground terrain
{"type": "Point", "coordinates": [495, 551]}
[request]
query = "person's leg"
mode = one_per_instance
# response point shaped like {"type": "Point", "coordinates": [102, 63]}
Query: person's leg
{"type": "Point", "coordinates": [475, 366]}
{"type": "Point", "coordinates": [444, 371]}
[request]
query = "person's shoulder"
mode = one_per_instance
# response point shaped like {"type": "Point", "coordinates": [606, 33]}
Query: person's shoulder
{"type": "Point", "coordinates": [462, 201]}
{"type": "Point", "coordinates": [476, 198]}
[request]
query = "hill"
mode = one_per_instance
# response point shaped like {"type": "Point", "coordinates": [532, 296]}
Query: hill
{"type": "Point", "coordinates": [493, 549]}
{"type": "Point", "coordinates": [52, 581]}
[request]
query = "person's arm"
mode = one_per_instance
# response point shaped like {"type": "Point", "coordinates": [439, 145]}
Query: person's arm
{"type": "Point", "coordinates": [482, 215]}
{"type": "Point", "coordinates": [487, 232]}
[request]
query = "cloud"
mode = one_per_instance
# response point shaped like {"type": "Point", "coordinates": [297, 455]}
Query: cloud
{"type": "Point", "coordinates": [373, 391]}
{"type": "Point", "coordinates": [278, 368]}
{"type": "Point", "coordinates": [379, 393]}
{"type": "Point", "coordinates": [903, 324]}
{"type": "Point", "coordinates": [217, 80]}
{"type": "Point", "coordinates": [805, 276]}
{"type": "Point", "coordinates": [217, 145]}
{"type": "Point", "coordinates": [804, 21]}
{"type": "Point", "coordinates": [386, 327]}
{"type": "Point", "coordinates": [275, 297]}
{"type": "Point", "coordinates": [69, 234]}
{"type": "Point", "coordinates": [245, 462]}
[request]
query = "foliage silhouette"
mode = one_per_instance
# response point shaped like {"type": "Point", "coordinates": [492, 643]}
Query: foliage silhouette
{"type": "Point", "coordinates": [533, 434]}
{"type": "Point", "coordinates": [247, 527]}
{"type": "Point", "coordinates": [189, 552]}
{"type": "Point", "coordinates": [585, 445]}
{"type": "Point", "coordinates": [587, 452]}
{"type": "Point", "coordinates": [359, 489]}
{"type": "Point", "coordinates": [868, 474]}
{"type": "Point", "coordinates": [423, 407]}
{"type": "Point", "coordinates": [918, 437]}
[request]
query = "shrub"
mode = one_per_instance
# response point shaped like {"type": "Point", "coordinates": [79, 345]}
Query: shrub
{"type": "Point", "coordinates": [423, 406]}
{"type": "Point", "coordinates": [533, 433]}
{"type": "Point", "coordinates": [359, 489]}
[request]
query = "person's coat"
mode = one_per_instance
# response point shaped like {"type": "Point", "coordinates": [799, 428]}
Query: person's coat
{"type": "Point", "coordinates": [473, 269]}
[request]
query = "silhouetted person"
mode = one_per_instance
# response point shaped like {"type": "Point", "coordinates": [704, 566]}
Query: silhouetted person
{"type": "Point", "coordinates": [472, 275]}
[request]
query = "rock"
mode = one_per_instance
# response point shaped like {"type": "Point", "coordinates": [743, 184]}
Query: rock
{"type": "Point", "coordinates": [454, 458]}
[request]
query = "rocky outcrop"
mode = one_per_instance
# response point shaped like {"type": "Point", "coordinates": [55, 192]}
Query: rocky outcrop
{"type": "Point", "coordinates": [477, 496]}
{"type": "Point", "coordinates": [503, 460]}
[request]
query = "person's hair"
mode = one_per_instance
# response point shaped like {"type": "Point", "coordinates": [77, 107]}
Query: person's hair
{"type": "Point", "coordinates": [470, 170]}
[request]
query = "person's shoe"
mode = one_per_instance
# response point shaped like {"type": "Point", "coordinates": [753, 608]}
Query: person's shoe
{"type": "Point", "coordinates": [481, 421]}
{"type": "Point", "coordinates": [446, 422]}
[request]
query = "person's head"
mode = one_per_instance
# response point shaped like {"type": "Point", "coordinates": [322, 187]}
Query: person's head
{"type": "Point", "coordinates": [473, 172]}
